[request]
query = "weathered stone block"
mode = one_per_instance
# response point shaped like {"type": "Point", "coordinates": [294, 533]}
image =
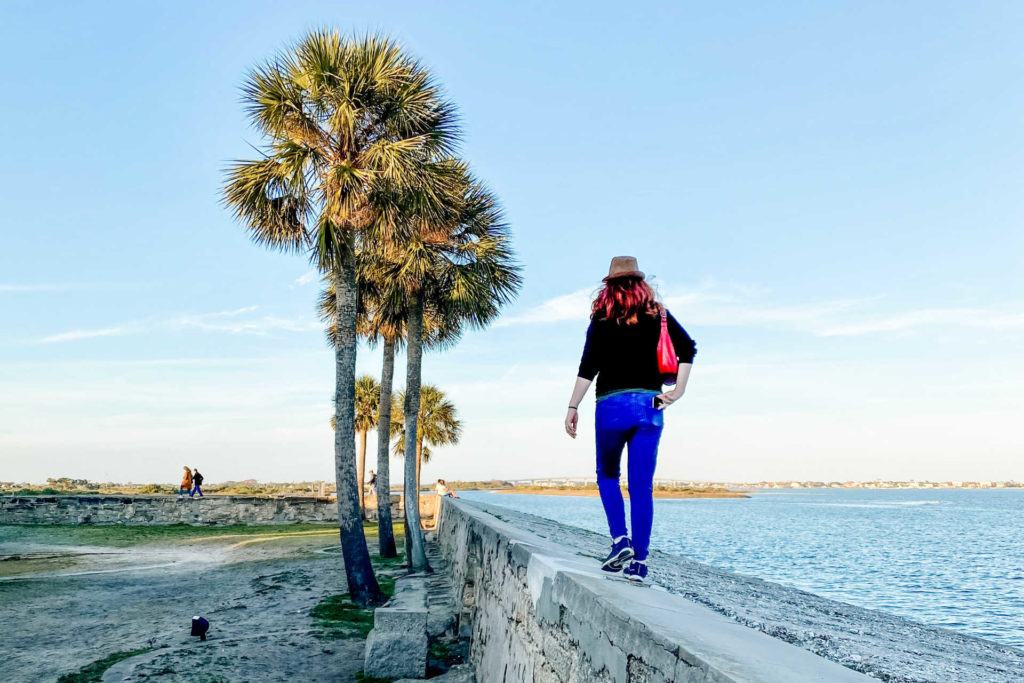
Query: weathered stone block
{"type": "Point", "coordinates": [396, 655]}
{"type": "Point", "coordinates": [400, 620]}
{"type": "Point", "coordinates": [397, 645]}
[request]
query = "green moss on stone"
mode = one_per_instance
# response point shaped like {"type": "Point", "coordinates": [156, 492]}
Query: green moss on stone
{"type": "Point", "coordinates": [93, 672]}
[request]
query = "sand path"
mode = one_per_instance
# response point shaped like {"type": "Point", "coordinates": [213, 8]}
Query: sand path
{"type": "Point", "coordinates": [257, 592]}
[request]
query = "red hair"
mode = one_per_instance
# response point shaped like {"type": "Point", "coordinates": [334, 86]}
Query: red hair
{"type": "Point", "coordinates": [624, 300]}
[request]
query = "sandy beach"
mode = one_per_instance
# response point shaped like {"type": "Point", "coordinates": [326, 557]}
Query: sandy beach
{"type": "Point", "coordinates": [80, 596]}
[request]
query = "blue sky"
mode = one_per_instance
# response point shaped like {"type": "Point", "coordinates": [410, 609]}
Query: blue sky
{"type": "Point", "coordinates": [828, 195]}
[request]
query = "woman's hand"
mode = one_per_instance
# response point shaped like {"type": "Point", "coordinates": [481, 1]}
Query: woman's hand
{"type": "Point", "coordinates": [668, 398]}
{"type": "Point", "coordinates": [682, 377]}
{"type": "Point", "coordinates": [572, 418]}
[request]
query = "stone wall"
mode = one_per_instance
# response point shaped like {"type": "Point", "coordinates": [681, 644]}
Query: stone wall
{"type": "Point", "coordinates": [428, 505]}
{"type": "Point", "coordinates": [212, 509]}
{"type": "Point", "coordinates": [156, 510]}
{"type": "Point", "coordinates": [537, 611]}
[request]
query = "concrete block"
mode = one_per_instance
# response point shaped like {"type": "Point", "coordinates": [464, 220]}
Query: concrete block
{"type": "Point", "coordinates": [397, 645]}
{"type": "Point", "coordinates": [400, 620]}
{"type": "Point", "coordinates": [396, 655]}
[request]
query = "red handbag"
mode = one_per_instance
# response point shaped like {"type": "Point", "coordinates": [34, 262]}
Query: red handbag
{"type": "Point", "coordinates": [668, 362]}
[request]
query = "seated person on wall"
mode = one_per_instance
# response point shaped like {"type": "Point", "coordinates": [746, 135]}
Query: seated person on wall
{"type": "Point", "coordinates": [443, 490]}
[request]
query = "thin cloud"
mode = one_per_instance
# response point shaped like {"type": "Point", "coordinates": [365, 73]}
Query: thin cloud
{"type": "Point", "coordinates": [728, 312]}
{"type": "Point", "coordinates": [233, 321]}
{"type": "Point", "coordinates": [258, 326]}
{"type": "Point", "coordinates": [572, 306]}
{"type": "Point", "coordinates": [75, 335]}
{"type": "Point", "coordinates": [958, 317]}
{"type": "Point", "coordinates": [575, 306]}
{"type": "Point", "coordinates": [714, 307]}
{"type": "Point", "coordinates": [306, 278]}
{"type": "Point", "coordinates": [35, 288]}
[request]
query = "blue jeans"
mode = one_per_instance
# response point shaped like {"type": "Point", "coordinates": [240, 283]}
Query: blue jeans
{"type": "Point", "coordinates": [195, 491]}
{"type": "Point", "coordinates": [623, 418]}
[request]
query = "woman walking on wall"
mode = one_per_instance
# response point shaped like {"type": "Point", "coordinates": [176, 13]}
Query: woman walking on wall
{"type": "Point", "coordinates": [186, 481]}
{"type": "Point", "coordinates": [634, 346]}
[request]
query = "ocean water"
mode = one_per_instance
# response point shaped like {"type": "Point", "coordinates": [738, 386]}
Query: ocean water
{"type": "Point", "coordinates": [948, 557]}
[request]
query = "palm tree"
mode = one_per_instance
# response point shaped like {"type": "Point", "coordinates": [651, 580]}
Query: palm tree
{"type": "Point", "coordinates": [438, 425]}
{"type": "Point", "coordinates": [367, 395]}
{"type": "Point", "coordinates": [352, 129]}
{"type": "Point", "coordinates": [382, 312]}
{"type": "Point", "coordinates": [463, 265]}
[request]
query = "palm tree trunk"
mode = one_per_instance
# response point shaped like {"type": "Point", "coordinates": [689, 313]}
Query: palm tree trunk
{"type": "Point", "coordinates": [407, 540]}
{"type": "Point", "coordinates": [385, 531]}
{"type": "Point", "coordinates": [362, 584]}
{"type": "Point", "coordinates": [362, 473]}
{"type": "Point", "coordinates": [413, 370]}
{"type": "Point", "coordinates": [419, 461]}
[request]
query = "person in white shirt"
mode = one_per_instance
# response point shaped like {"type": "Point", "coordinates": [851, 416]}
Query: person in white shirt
{"type": "Point", "coordinates": [443, 490]}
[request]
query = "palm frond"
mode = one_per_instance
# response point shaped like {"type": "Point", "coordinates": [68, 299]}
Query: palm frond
{"type": "Point", "coordinates": [353, 129]}
{"type": "Point", "coordinates": [367, 403]}
{"type": "Point", "coordinates": [271, 201]}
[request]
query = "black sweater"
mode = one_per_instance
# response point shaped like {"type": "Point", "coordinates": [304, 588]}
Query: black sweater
{"type": "Point", "coordinates": [626, 356]}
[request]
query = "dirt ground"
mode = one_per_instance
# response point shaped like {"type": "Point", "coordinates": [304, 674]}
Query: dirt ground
{"type": "Point", "coordinates": [70, 597]}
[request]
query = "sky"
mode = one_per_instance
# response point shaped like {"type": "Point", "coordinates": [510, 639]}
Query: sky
{"type": "Point", "coordinates": [827, 195]}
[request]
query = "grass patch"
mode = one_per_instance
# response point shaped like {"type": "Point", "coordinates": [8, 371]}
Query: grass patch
{"type": "Point", "coordinates": [16, 565]}
{"type": "Point", "coordinates": [363, 678]}
{"type": "Point", "coordinates": [443, 655]}
{"type": "Point", "coordinates": [92, 673]}
{"type": "Point", "coordinates": [35, 492]}
{"type": "Point", "coordinates": [439, 650]}
{"type": "Point", "coordinates": [389, 562]}
{"type": "Point", "coordinates": [124, 536]}
{"type": "Point", "coordinates": [339, 617]}
{"type": "Point", "coordinates": [121, 536]}
{"type": "Point", "coordinates": [387, 584]}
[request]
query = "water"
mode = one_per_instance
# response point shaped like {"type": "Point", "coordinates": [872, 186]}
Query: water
{"type": "Point", "coordinates": [951, 558]}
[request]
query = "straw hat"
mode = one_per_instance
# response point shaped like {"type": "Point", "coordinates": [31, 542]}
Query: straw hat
{"type": "Point", "coordinates": [624, 266]}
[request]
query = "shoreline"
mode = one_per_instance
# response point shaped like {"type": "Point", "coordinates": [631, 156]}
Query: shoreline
{"type": "Point", "coordinates": [591, 493]}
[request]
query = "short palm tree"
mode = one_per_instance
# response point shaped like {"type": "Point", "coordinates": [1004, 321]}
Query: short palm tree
{"type": "Point", "coordinates": [438, 425]}
{"type": "Point", "coordinates": [367, 396]}
{"type": "Point", "coordinates": [352, 129]}
{"type": "Point", "coordinates": [461, 264]}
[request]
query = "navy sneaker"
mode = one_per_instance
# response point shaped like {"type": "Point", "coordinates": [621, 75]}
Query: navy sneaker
{"type": "Point", "coordinates": [622, 552]}
{"type": "Point", "coordinates": [636, 571]}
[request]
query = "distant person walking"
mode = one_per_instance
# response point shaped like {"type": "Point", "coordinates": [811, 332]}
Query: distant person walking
{"type": "Point", "coordinates": [197, 480]}
{"type": "Point", "coordinates": [634, 346]}
{"type": "Point", "coordinates": [186, 482]}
